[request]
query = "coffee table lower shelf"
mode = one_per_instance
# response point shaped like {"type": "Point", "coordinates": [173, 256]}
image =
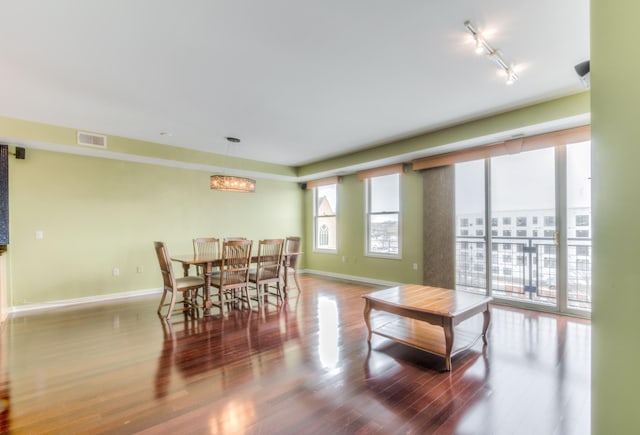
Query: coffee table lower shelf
{"type": "Point", "coordinates": [425, 336]}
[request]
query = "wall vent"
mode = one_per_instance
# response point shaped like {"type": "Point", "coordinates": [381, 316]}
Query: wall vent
{"type": "Point", "coordinates": [92, 139]}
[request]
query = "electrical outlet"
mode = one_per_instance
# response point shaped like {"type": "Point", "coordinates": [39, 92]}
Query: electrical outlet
{"type": "Point", "coordinates": [39, 235]}
{"type": "Point", "coordinates": [344, 259]}
{"type": "Point", "coordinates": [116, 271]}
{"type": "Point", "coordinates": [415, 266]}
{"type": "Point", "coordinates": [139, 269]}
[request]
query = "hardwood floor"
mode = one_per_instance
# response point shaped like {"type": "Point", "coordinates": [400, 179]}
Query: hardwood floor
{"type": "Point", "coordinates": [304, 367]}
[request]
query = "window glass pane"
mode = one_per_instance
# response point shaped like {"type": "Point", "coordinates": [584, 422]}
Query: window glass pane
{"type": "Point", "coordinates": [326, 196]}
{"type": "Point", "coordinates": [470, 240]}
{"type": "Point", "coordinates": [326, 229]}
{"type": "Point", "coordinates": [325, 217]}
{"type": "Point", "coordinates": [383, 233]}
{"type": "Point", "coordinates": [384, 193]}
{"type": "Point", "coordinates": [383, 215]}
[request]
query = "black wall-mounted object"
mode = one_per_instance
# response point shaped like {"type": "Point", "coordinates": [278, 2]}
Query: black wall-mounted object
{"type": "Point", "coordinates": [4, 196]}
{"type": "Point", "coordinates": [303, 186]}
{"type": "Point", "coordinates": [21, 153]}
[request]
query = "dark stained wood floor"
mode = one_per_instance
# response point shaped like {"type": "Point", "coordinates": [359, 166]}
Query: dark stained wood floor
{"type": "Point", "coordinates": [304, 367]}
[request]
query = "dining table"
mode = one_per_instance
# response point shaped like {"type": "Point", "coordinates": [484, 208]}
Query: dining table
{"type": "Point", "coordinates": [208, 263]}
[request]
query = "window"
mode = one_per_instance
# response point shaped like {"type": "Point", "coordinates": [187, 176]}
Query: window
{"type": "Point", "coordinates": [549, 233]}
{"type": "Point", "coordinates": [325, 212]}
{"type": "Point", "coordinates": [383, 215]}
{"type": "Point", "coordinates": [582, 220]}
{"type": "Point", "coordinates": [494, 232]}
{"type": "Point", "coordinates": [479, 232]}
{"type": "Point", "coordinates": [506, 221]}
{"type": "Point", "coordinates": [534, 220]}
{"type": "Point", "coordinates": [549, 221]}
{"type": "Point", "coordinates": [464, 222]}
{"type": "Point", "coordinates": [582, 233]}
{"type": "Point", "coordinates": [521, 221]}
{"type": "Point", "coordinates": [464, 232]}
{"type": "Point", "coordinates": [479, 221]}
{"type": "Point", "coordinates": [506, 233]}
{"type": "Point", "coordinates": [521, 233]}
{"type": "Point", "coordinates": [494, 222]}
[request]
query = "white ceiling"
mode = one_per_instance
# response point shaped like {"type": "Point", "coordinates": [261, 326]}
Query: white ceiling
{"type": "Point", "coordinates": [296, 80]}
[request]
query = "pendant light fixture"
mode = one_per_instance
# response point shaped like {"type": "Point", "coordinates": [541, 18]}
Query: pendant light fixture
{"type": "Point", "coordinates": [231, 183]}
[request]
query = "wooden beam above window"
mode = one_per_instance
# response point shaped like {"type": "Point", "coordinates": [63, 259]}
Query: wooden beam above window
{"type": "Point", "coordinates": [513, 146]}
{"type": "Point", "coordinates": [398, 168]}
{"type": "Point", "coordinates": [323, 182]}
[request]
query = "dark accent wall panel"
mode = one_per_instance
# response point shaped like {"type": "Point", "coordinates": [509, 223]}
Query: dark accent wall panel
{"type": "Point", "coordinates": [4, 195]}
{"type": "Point", "coordinates": [439, 227]}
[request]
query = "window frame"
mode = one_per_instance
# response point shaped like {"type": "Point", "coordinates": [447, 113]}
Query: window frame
{"type": "Point", "coordinates": [368, 213]}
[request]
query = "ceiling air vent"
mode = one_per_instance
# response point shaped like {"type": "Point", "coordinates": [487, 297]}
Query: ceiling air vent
{"type": "Point", "coordinates": [92, 139]}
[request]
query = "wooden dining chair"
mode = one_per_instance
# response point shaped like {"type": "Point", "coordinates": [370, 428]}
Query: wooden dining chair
{"type": "Point", "coordinates": [186, 285]}
{"type": "Point", "coordinates": [267, 271]}
{"type": "Point", "coordinates": [206, 247]}
{"type": "Point", "coordinates": [292, 244]}
{"type": "Point", "coordinates": [233, 276]}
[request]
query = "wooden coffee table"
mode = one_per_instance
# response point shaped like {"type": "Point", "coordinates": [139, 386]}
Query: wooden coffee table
{"type": "Point", "coordinates": [426, 318]}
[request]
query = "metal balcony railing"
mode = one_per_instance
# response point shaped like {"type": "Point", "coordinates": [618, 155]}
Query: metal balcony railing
{"type": "Point", "coordinates": [525, 268]}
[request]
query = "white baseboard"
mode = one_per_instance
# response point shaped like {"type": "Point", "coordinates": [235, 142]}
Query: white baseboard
{"type": "Point", "coordinates": [361, 279]}
{"type": "Point", "coordinates": [20, 309]}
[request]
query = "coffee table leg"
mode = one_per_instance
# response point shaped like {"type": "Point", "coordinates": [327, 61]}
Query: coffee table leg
{"type": "Point", "coordinates": [448, 340]}
{"type": "Point", "coordinates": [367, 318]}
{"type": "Point", "coordinates": [485, 326]}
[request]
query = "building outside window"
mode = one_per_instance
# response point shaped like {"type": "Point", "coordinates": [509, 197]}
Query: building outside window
{"type": "Point", "coordinates": [549, 221]}
{"type": "Point", "coordinates": [325, 217]}
{"type": "Point", "coordinates": [383, 216]}
{"type": "Point", "coordinates": [582, 220]}
{"type": "Point", "coordinates": [582, 233]}
{"type": "Point", "coordinates": [521, 221]}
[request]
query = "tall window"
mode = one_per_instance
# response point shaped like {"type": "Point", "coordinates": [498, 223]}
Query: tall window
{"type": "Point", "coordinates": [383, 215]}
{"type": "Point", "coordinates": [325, 222]}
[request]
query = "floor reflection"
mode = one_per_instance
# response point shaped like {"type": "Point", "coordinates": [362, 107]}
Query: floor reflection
{"type": "Point", "coordinates": [209, 345]}
{"type": "Point", "coordinates": [328, 332]}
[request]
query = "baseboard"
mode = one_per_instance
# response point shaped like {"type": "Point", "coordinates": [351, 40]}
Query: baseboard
{"type": "Point", "coordinates": [360, 279]}
{"type": "Point", "coordinates": [21, 309]}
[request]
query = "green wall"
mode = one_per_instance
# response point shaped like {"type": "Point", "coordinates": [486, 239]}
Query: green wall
{"type": "Point", "coordinates": [351, 235]}
{"type": "Point", "coordinates": [98, 214]}
{"type": "Point", "coordinates": [615, 83]}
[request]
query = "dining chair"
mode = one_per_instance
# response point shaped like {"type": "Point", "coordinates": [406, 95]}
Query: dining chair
{"type": "Point", "coordinates": [206, 247]}
{"type": "Point", "coordinates": [233, 275]}
{"type": "Point", "coordinates": [267, 271]}
{"type": "Point", "coordinates": [292, 244]}
{"type": "Point", "coordinates": [172, 285]}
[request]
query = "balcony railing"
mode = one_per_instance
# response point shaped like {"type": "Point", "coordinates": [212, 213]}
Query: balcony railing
{"type": "Point", "coordinates": [525, 268]}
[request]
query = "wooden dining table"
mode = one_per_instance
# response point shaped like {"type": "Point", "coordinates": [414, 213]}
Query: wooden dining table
{"type": "Point", "coordinates": [209, 263]}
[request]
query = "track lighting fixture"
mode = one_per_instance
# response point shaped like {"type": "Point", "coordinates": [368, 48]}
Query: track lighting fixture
{"type": "Point", "coordinates": [483, 47]}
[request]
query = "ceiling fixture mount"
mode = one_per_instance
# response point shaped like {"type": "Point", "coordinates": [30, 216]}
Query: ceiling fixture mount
{"type": "Point", "coordinates": [483, 47]}
{"type": "Point", "coordinates": [231, 183]}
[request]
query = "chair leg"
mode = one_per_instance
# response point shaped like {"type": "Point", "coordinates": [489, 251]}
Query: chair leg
{"type": "Point", "coordinates": [164, 295]}
{"type": "Point", "coordinates": [171, 305]}
{"type": "Point", "coordinates": [295, 278]}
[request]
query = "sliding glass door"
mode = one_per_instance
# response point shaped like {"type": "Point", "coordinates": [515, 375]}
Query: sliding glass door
{"type": "Point", "coordinates": [523, 228]}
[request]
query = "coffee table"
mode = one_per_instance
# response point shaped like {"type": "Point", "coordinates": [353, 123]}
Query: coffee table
{"type": "Point", "coordinates": [426, 318]}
